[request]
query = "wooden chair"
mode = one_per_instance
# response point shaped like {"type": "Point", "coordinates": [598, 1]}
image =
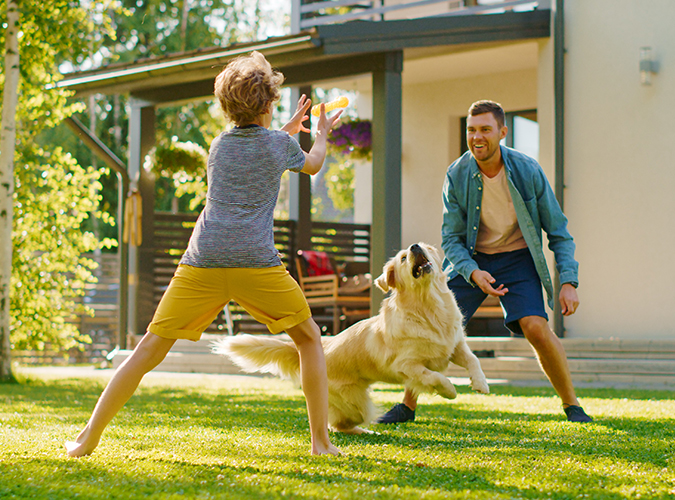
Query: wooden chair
{"type": "Point", "coordinates": [345, 298]}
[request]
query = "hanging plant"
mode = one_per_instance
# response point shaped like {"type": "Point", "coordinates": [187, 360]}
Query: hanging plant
{"type": "Point", "coordinates": [352, 139]}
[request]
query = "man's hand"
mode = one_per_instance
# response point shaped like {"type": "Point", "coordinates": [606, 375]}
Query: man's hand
{"type": "Point", "coordinates": [484, 281]}
{"type": "Point", "coordinates": [569, 300]}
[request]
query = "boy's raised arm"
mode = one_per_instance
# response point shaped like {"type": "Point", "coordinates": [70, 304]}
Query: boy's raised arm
{"type": "Point", "coordinates": [317, 154]}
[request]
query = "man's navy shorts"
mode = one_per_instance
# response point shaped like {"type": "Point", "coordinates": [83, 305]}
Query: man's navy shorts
{"type": "Point", "coordinates": [516, 271]}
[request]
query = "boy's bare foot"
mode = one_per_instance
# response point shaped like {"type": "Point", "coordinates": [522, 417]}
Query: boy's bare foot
{"type": "Point", "coordinates": [325, 450]}
{"type": "Point", "coordinates": [82, 446]}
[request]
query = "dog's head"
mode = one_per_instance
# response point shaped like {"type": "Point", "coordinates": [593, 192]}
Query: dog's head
{"type": "Point", "coordinates": [416, 264]}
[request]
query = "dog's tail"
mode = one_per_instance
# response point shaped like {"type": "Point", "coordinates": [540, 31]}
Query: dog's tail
{"type": "Point", "coordinates": [261, 354]}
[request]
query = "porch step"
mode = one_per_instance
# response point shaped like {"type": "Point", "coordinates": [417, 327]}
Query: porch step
{"type": "Point", "coordinates": [192, 357]}
{"type": "Point", "coordinates": [599, 362]}
{"type": "Point", "coordinates": [648, 364]}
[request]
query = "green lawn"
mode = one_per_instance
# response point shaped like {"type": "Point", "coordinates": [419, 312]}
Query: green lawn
{"type": "Point", "coordinates": [246, 437]}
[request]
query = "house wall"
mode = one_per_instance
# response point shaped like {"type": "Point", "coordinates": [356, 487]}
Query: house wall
{"type": "Point", "coordinates": [619, 168]}
{"type": "Point", "coordinates": [431, 139]}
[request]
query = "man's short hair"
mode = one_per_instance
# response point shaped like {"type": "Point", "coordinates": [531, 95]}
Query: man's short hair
{"type": "Point", "coordinates": [485, 106]}
{"type": "Point", "coordinates": [246, 87]}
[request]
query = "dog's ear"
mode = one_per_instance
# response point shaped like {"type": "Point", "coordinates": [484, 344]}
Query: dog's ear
{"type": "Point", "coordinates": [387, 279]}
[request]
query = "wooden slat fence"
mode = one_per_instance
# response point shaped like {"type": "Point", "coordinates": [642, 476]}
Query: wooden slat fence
{"type": "Point", "coordinates": [349, 244]}
{"type": "Point", "coordinates": [102, 298]}
{"type": "Point", "coordinates": [171, 236]}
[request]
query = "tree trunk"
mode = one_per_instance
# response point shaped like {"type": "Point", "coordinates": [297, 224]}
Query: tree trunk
{"type": "Point", "coordinates": [184, 23]}
{"type": "Point", "coordinates": [7, 149]}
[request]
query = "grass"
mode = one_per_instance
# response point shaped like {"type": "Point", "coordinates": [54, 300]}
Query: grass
{"type": "Point", "coordinates": [246, 437]}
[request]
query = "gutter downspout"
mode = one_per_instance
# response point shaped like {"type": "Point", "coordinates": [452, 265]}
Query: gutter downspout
{"type": "Point", "coordinates": [111, 160]}
{"type": "Point", "coordinates": [559, 112]}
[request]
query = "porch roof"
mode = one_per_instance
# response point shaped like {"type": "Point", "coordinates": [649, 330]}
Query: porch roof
{"type": "Point", "coordinates": [325, 52]}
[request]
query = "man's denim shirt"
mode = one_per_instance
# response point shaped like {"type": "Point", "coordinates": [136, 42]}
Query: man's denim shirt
{"type": "Point", "coordinates": [536, 209]}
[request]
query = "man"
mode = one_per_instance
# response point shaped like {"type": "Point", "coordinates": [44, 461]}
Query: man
{"type": "Point", "coordinates": [496, 202]}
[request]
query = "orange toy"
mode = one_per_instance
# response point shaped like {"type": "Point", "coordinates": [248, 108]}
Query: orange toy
{"type": "Point", "coordinates": [341, 102]}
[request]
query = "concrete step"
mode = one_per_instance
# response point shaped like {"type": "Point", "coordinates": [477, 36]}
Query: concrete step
{"type": "Point", "coordinates": [600, 362]}
{"type": "Point", "coordinates": [580, 348]}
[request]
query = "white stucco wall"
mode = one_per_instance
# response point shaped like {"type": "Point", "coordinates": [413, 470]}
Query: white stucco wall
{"type": "Point", "coordinates": [620, 167]}
{"type": "Point", "coordinates": [431, 140]}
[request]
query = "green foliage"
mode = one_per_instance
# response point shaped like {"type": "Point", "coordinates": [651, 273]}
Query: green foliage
{"type": "Point", "coordinates": [185, 164]}
{"type": "Point", "coordinates": [157, 28]}
{"type": "Point", "coordinates": [247, 438]}
{"type": "Point", "coordinates": [54, 195]}
{"type": "Point", "coordinates": [340, 183]}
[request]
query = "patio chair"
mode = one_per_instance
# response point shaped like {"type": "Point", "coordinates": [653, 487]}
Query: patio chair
{"type": "Point", "coordinates": [347, 298]}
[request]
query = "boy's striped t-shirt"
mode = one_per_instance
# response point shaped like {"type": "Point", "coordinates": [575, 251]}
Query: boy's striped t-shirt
{"type": "Point", "coordinates": [236, 227]}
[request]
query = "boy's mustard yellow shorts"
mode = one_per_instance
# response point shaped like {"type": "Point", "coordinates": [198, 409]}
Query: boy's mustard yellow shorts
{"type": "Point", "coordinates": [197, 295]}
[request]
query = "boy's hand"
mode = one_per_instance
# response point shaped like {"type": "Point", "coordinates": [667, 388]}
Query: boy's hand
{"type": "Point", "coordinates": [295, 124]}
{"type": "Point", "coordinates": [326, 122]}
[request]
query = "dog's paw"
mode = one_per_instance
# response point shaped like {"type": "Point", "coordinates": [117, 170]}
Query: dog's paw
{"type": "Point", "coordinates": [480, 386]}
{"type": "Point", "coordinates": [448, 392]}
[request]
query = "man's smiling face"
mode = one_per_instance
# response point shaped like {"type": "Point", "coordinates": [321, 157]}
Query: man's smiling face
{"type": "Point", "coordinates": [483, 134]}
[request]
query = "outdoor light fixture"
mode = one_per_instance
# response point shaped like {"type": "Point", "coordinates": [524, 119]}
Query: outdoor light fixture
{"type": "Point", "coordinates": [648, 66]}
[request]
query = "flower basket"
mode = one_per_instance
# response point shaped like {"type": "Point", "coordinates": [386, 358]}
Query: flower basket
{"type": "Point", "coordinates": [352, 139]}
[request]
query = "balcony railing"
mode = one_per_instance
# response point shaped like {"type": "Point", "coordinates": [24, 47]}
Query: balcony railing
{"type": "Point", "coordinates": [307, 14]}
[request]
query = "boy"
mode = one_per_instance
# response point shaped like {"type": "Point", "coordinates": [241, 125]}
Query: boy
{"type": "Point", "coordinates": [231, 254]}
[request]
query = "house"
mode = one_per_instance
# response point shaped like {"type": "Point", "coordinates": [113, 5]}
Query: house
{"type": "Point", "coordinates": [571, 74]}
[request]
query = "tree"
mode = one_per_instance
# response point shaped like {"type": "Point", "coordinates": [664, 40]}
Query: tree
{"type": "Point", "coordinates": [7, 148]}
{"type": "Point", "coordinates": [51, 194]}
{"type": "Point", "coordinates": [155, 28]}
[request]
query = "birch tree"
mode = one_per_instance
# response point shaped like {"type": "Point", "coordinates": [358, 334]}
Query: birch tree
{"type": "Point", "coordinates": [7, 149]}
{"type": "Point", "coordinates": [45, 195]}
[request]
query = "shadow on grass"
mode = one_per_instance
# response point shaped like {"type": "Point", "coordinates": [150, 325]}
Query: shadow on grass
{"type": "Point", "coordinates": [348, 477]}
{"type": "Point", "coordinates": [449, 448]}
{"type": "Point", "coordinates": [547, 391]}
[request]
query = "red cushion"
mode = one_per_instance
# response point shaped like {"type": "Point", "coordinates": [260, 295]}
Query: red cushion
{"type": "Point", "coordinates": [318, 263]}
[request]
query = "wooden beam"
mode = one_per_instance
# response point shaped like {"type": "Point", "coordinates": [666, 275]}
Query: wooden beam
{"type": "Point", "coordinates": [103, 152]}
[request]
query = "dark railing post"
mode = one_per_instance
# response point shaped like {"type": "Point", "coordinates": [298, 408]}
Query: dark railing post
{"type": "Point", "coordinates": [296, 16]}
{"type": "Point", "coordinates": [300, 209]}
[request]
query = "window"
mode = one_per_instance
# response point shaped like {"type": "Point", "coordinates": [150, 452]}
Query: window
{"type": "Point", "coordinates": [523, 132]}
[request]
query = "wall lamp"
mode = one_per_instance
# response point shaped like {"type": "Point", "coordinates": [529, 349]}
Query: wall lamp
{"type": "Point", "coordinates": [648, 66]}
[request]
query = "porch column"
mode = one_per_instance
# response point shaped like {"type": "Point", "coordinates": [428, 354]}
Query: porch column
{"type": "Point", "coordinates": [300, 189]}
{"type": "Point", "coordinates": [141, 265]}
{"type": "Point", "coordinates": [386, 225]}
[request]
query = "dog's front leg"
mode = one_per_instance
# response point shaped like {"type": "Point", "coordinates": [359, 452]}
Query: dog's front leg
{"type": "Point", "coordinates": [466, 359]}
{"type": "Point", "coordinates": [420, 379]}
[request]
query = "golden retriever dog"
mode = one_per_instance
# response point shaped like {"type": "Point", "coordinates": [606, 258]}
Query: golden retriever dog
{"type": "Point", "coordinates": [417, 332]}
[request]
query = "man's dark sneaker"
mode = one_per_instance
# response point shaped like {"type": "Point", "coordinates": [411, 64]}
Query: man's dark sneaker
{"type": "Point", "coordinates": [398, 413]}
{"type": "Point", "coordinates": [576, 414]}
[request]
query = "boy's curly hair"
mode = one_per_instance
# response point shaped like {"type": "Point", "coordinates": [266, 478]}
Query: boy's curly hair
{"type": "Point", "coordinates": [246, 87]}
